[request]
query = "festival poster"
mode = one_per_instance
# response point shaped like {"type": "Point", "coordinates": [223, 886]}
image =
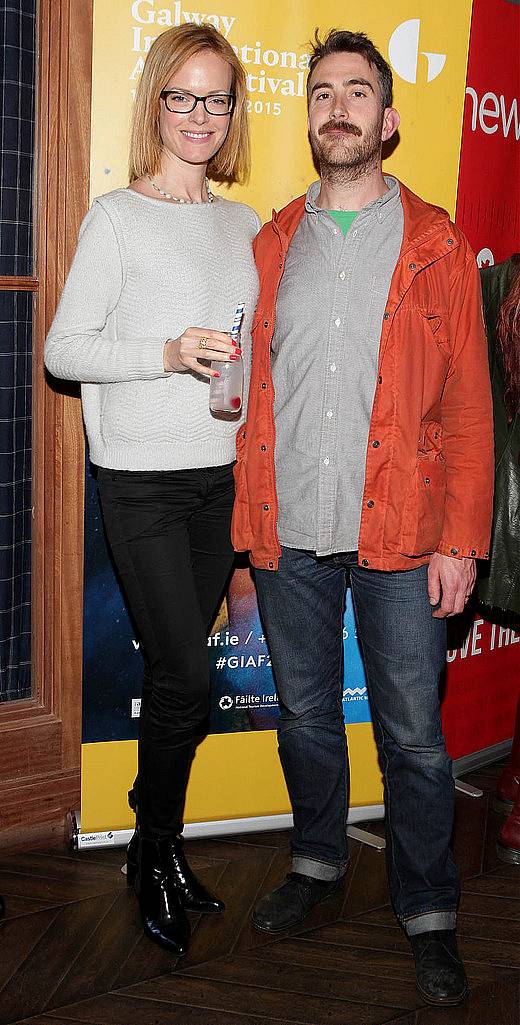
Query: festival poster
{"type": "Point", "coordinates": [236, 772]}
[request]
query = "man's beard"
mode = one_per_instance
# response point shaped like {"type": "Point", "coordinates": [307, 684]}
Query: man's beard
{"type": "Point", "coordinates": [346, 163]}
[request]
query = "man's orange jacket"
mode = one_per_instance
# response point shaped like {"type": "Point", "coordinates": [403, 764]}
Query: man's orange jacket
{"type": "Point", "coordinates": [429, 459]}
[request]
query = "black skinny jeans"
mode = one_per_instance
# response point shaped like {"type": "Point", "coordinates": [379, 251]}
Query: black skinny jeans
{"type": "Point", "coordinates": [169, 533]}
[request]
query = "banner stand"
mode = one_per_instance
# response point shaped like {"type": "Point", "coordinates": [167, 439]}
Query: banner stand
{"type": "Point", "coordinates": [198, 830]}
{"type": "Point", "coordinates": [467, 789]}
{"type": "Point", "coordinates": [230, 827]}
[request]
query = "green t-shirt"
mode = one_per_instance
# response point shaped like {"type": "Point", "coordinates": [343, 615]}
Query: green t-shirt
{"type": "Point", "coordinates": [344, 218]}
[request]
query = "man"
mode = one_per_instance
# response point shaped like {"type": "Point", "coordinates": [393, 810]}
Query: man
{"type": "Point", "coordinates": [367, 453]}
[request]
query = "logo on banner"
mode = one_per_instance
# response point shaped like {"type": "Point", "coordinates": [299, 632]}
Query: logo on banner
{"type": "Point", "coordinates": [351, 693]}
{"type": "Point", "coordinates": [403, 51]}
{"type": "Point", "coordinates": [485, 258]}
{"type": "Point", "coordinates": [492, 113]}
{"type": "Point", "coordinates": [226, 703]}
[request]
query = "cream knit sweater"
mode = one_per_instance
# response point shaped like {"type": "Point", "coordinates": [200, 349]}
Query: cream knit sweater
{"type": "Point", "coordinates": [144, 271]}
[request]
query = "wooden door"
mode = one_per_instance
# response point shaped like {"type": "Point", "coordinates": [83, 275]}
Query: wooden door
{"type": "Point", "coordinates": [40, 737]}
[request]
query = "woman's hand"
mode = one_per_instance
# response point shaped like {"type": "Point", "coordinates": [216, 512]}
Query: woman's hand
{"type": "Point", "coordinates": [195, 344]}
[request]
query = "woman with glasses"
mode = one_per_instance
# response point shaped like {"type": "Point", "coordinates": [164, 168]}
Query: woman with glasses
{"type": "Point", "coordinates": [150, 299]}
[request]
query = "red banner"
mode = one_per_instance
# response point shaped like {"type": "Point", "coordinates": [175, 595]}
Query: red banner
{"type": "Point", "coordinates": [483, 673]}
{"type": "Point", "coordinates": [482, 684]}
{"type": "Point", "coordinates": [488, 201]}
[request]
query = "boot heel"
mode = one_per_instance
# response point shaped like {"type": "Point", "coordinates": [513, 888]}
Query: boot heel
{"type": "Point", "coordinates": [132, 858]}
{"type": "Point", "coordinates": [131, 872]}
{"type": "Point", "coordinates": [501, 805]}
{"type": "Point", "coordinates": [507, 854]}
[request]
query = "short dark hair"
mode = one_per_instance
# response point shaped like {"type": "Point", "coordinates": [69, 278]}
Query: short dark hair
{"type": "Point", "coordinates": [340, 41]}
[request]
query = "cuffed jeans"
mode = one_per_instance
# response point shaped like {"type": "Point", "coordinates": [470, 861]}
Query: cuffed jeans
{"type": "Point", "coordinates": [404, 651]}
{"type": "Point", "coordinates": [169, 533]}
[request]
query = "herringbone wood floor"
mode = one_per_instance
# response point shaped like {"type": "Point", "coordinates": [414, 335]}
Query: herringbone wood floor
{"type": "Point", "coordinates": [71, 947]}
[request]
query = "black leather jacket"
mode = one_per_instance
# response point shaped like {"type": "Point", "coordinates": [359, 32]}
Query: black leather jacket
{"type": "Point", "coordinates": [499, 584]}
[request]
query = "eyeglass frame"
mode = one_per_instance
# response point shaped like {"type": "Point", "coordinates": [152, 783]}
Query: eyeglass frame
{"type": "Point", "coordinates": [198, 99]}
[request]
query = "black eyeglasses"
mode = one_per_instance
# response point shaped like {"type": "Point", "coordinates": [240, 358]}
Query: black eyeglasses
{"type": "Point", "coordinates": [179, 102]}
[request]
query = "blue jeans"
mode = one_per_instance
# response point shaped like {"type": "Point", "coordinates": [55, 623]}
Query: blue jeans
{"type": "Point", "coordinates": [404, 651]}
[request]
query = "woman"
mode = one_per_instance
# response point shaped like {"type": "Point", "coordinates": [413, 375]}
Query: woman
{"type": "Point", "coordinates": [153, 259]}
{"type": "Point", "coordinates": [501, 586]}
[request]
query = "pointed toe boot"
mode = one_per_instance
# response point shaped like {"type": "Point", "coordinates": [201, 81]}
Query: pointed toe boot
{"type": "Point", "coordinates": [164, 918]}
{"type": "Point", "coordinates": [192, 893]}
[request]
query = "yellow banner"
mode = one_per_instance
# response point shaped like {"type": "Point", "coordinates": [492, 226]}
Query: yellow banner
{"type": "Point", "coordinates": [234, 776]}
{"type": "Point", "coordinates": [426, 44]}
{"type": "Point", "coordinates": [238, 774]}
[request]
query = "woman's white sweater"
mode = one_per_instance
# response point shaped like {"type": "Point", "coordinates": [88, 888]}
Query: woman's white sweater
{"type": "Point", "coordinates": [144, 271]}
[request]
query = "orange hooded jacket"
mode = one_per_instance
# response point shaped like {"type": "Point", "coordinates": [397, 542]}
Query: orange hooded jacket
{"type": "Point", "coordinates": [429, 460]}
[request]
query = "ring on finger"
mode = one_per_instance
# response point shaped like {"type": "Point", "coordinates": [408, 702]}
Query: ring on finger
{"type": "Point", "coordinates": [203, 343]}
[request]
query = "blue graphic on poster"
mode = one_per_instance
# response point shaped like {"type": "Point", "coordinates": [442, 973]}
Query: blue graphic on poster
{"type": "Point", "coordinates": [243, 690]}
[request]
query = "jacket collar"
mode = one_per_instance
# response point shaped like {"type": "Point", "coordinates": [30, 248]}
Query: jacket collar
{"type": "Point", "coordinates": [287, 220]}
{"type": "Point", "coordinates": [425, 225]}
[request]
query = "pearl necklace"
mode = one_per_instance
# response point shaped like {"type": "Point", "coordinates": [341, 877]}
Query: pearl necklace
{"type": "Point", "coordinates": [168, 195]}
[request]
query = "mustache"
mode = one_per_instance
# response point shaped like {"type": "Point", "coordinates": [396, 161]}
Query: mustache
{"type": "Point", "coordinates": [339, 126]}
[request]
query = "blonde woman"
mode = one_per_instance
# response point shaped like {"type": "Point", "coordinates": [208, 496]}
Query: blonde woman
{"type": "Point", "coordinates": [158, 273]}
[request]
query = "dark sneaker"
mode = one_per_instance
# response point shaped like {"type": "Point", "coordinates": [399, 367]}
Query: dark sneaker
{"type": "Point", "coordinates": [441, 978]}
{"type": "Point", "coordinates": [291, 902]}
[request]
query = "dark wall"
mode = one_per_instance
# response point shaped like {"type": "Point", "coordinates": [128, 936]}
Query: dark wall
{"type": "Point", "coordinates": [17, 88]}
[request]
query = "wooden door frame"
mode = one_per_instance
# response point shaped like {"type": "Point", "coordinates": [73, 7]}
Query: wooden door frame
{"type": "Point", "coordinates": [40, 738]}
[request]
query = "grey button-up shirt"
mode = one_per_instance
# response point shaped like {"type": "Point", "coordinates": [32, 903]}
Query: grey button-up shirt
{"type": "Point", "coordinates": [325, 349]}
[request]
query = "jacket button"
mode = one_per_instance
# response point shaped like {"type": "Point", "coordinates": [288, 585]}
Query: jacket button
{"type": "Point", "coordinates": [263, 385]}
{"type": "Point", "coordinates": [370, 504]}
{"type": "Point", "coordinates": [365, 562]}
{"type": "Point", "coordinates": [266, 508]}
{"type": "Point", "coordinates": [386, 316]}
{"type": "Point", "coordinates": [271, 565]}
{"type": "Point", "coordinates": [427, 480]}
{"type": "Point", "coordinates": [454, 551]}
{"type": "Point", "coordinates": [266, 323]}
{"type": "Point", "coordinates": [412, 266]}
{"type": "Point", "coordinates": [263, 448]}
{"type": "Point", "coordinates": [473, 552]}
{"type": "Point", "coordinates": [375, 444]}
{"type": "Point", "coordinates": [380, 379]}
{"type": "Point", "coordinates": [243, 434]}
{"type": "Point", "coordinates": [449, 242]}
{"type": "Point", "coordinates": [486, 555]}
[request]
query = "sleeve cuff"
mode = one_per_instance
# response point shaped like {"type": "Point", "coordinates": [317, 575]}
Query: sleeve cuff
{"type": "Point", "coordinates": [459, 551]}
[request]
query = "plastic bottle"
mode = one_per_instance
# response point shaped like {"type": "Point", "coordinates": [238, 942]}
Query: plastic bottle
{"type": "Point", "coordinates": [225, 392]}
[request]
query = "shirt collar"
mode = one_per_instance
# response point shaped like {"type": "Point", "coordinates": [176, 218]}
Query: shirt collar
{"type": "Point", "coordinates": [381, 207]}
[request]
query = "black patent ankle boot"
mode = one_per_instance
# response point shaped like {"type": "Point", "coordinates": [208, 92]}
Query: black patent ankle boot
{"type": "Point", "coordinates": [192, 894]}
{"type": "Point", "coordinates": [164, 917]}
